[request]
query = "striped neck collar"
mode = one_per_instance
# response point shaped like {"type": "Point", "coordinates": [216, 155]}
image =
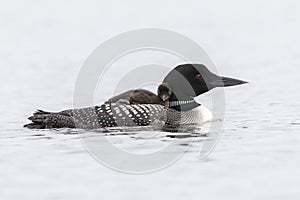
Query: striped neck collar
{"type": "Point", "coordinates": [178, 103]}
{"type": "Point", "coordinates": [183, 105]}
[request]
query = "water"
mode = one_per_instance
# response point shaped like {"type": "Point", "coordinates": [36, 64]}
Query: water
{"type": "Point", "coordinates": [257, 157]}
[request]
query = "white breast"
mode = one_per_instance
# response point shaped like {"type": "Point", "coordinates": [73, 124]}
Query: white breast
{"type": "Point", "coordinates": [198, 115]}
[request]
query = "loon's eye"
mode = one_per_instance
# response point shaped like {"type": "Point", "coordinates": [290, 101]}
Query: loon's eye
{"type": "Point", "coordinates": [198, 76]}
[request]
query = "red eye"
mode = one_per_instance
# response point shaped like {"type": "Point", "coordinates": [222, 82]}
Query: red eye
{"type": "Point", "coordinates": [198, 76]}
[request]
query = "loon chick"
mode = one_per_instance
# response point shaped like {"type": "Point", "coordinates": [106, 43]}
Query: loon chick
{"type": "Point", "coordinates": [142, 96]}
{"type": "Point", "coordinates": [178, 89]}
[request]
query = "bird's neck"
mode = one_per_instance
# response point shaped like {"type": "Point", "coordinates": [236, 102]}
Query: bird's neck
{"type": "Point", "coordinates": [182, 104]}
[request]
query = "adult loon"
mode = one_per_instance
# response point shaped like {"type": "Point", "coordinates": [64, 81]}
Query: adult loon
{"type": "Point", "coordinates": [173, 106]}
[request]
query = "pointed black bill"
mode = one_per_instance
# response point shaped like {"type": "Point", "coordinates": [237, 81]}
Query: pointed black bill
{"type": "Point", "coordinates": [225, 82]}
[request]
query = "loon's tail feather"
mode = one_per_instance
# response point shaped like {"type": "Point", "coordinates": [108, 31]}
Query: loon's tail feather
{"type": "Point", "coordinates": [42, 119]}
{"type": "Point", "coordinates": [35, 126]}
{"type": "Point", "coordinates": [40, 112]}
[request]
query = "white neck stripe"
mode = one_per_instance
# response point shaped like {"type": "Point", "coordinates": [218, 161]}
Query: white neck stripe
{"type": "Point", "coordinates": [177, 103]}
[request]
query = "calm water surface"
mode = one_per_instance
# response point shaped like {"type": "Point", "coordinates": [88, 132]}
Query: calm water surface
{"type": "Point", "coordinates": [259, 148]}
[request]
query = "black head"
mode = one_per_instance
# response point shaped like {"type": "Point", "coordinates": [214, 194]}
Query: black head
{"type": "Point", "coordinates": [190, 80]}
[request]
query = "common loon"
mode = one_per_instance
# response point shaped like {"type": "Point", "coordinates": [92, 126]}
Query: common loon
{"type": "Point", "coordinates": [173, 106]}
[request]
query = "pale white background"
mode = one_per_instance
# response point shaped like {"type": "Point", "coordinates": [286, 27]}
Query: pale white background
{"type": "Point", "coordinates": [44, 43]}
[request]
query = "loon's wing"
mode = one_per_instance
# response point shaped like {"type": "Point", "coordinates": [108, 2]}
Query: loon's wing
{"type": "Point", "coordinates": [106, 115]}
